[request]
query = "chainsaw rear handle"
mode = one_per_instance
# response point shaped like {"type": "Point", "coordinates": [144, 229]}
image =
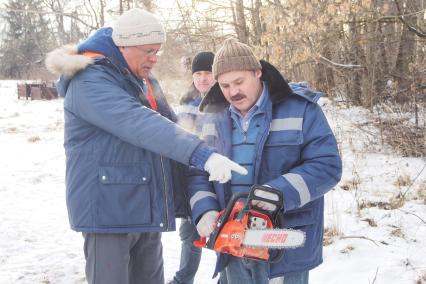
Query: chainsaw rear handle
{"type": "Point", "coordinates": [276, 216]}
{"type": "Point", "coordinates": [279, 204]}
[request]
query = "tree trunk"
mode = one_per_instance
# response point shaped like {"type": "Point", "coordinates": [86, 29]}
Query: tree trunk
{"type": "Point", "coordinates": [101, 13]}
{"type": "Point", "coordinates": [240, 22]}
{"type": "Point", "coordinates": [256, 22]}
{"type": "Point", "coordinates": [355, 55]}
{"type": "Point", "coordinates": [407, 47]}
{"type": "Point", "coordinates": [147, 4]}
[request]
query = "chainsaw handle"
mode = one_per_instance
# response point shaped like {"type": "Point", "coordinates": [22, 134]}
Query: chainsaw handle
{"type": "Point", "coordinates": [276, 216]}
{"type": "Point", "coordinates": [279, 204]}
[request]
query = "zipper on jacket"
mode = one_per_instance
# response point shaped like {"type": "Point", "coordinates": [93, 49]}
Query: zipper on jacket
{"type": "Point", "coordinates": [261, 147]}
{"type": "Point", "coordinates": [165, 193]}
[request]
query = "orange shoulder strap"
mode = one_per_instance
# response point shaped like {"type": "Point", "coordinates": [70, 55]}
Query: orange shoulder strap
{"type": "Point", "coordinates": [93, 54]}
{"type": "Point", "coordinates": [151, 97]}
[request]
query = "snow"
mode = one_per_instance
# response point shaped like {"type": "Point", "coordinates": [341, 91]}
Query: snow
{"type": "Point", "coordinates": [373, 240]}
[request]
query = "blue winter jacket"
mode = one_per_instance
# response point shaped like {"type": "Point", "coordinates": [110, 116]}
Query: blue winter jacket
{"type": "Point", "coordinates": [296, 154]}
{"type": "Point", "coordinates": [119, 176]}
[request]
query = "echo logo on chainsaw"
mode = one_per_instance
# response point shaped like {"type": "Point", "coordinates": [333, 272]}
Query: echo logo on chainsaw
{"type": "Point", "coordinates": [274, 238]}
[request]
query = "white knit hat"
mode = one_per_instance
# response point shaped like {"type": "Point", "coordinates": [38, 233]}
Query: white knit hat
{"type": "Point", "coordinates": [138, 27]}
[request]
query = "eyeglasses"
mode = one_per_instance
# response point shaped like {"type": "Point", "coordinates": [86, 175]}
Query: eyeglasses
{"type": "Point", "coordinates": [150, 52]}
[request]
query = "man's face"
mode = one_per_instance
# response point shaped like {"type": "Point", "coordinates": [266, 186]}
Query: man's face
{"type": "Point", "coordinates": [203, 81]}
{"type": "Point", "coordinates": [141, 59]}
{"type": "Point", "coordinates": [241, 88]}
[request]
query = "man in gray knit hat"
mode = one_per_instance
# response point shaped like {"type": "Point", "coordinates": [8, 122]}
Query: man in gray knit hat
{"type": "Point", "coordinates": [279, 134]}
{"type": "Point", "coordinates": [123, 150]}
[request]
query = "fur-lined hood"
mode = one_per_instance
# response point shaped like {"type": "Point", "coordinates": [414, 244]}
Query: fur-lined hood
{"type": "Point", "coordinates": [68, 60]}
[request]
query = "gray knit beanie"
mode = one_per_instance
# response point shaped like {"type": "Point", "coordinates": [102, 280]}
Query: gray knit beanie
{"type": "Point", "coordinates": [138, 27]}
{"type": "Point", "coordinates": [234, 56]}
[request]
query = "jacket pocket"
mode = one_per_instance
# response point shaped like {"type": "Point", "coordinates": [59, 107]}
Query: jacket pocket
{"type": "Point", "coordinates": [284, 137]}
{"type": "Point", "coordinates": [310, 253]}
{"type": "Point", "coordinates": [281, 152]}
{"type": "Point", "coordinates": [123, 197]}
{"type": "Point", "coordinates": [300, 217]}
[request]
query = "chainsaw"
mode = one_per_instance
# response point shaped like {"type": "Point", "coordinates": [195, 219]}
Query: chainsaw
{"type": "Point", "coordinates": [246, 230]}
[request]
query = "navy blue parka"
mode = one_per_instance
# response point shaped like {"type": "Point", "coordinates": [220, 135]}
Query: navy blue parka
{"type": "Point", "coordinates": [295, 153]}
{"type": "Point", "coordinates": [120, 176]}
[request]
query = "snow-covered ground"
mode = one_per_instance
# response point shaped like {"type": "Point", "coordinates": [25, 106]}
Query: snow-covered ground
{"type": "Point", "coordinates": [369, 238]}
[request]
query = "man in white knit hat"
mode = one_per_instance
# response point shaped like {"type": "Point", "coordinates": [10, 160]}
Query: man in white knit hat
{"type": "Point", "coordinates": [123, 151]}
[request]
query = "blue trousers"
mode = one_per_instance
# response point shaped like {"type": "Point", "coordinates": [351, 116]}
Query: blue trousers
{"type": "Point", "coordinates": [190, 255]}
{"type": "Point", "coordinates": [245, 271]}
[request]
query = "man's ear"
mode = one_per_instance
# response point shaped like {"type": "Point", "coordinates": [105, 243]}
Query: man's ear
{"type": "Point", "coordinates": [258, 73]}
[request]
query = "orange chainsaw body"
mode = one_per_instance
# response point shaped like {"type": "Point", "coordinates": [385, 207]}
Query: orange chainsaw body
{"type": "Point", "coordinates": [231, 236]}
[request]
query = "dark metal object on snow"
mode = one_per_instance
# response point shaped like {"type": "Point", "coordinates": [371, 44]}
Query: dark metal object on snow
{"type": "Point", "coordinates": [37, 91]}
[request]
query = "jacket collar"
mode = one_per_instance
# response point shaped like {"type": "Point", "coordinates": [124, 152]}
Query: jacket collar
{"type": "Point", "coordinates": [190, 96]}
{"type": "Point", "coordinates": [279, 90]}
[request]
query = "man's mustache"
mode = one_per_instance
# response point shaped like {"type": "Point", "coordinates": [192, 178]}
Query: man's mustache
{"type": "Point", "coordinates": [237, 97]}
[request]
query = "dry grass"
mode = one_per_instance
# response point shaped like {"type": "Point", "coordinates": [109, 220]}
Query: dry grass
{"type": "Point", "coordinates": [352, 184]}
{"type": "Point", "coordinates": [34, 139]}
{"type": "Point", "coordinates": [421, 191]}
{"type": "Point", "coordinates": [394, 203]}
{"type": "Point", "coordinates": [397, 232]}
{"type": "Point", "coordinates": [370, 222]}
{"type": "Point", "coordinates": [403, 180]}
{"type": "Point", "coordinates": [398, 130]}
{"type": "Point", "coordinates": [380, 204]}
{"type": "Point", "coordinates": [11, 130]}
{"type": "Point", "coordinates": [330, 233]}
{"type": "Point", "coordinates": [422, 278]}
{"type": "Point", "coordinates": [347, 249]}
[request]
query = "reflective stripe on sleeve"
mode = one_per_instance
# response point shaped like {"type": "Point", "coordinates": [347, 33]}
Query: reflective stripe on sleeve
{"type": "Point", "coordinates": [300, 185]}
{"type": "Point", "coordinates": [200, 195]}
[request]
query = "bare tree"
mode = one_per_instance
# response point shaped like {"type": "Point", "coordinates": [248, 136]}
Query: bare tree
{"type": "Point", "coordinates": [239, 20]}
{"type": "Point", "coordinates": [406, 50]}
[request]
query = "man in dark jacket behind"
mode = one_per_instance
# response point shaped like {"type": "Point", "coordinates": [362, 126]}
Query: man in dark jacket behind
{"type": "Point", "coordinates": [120, 143]}
{"type": "Point", "coordinates": [280, 135]}
{"type": "Point", "coordinates": [191, 119]}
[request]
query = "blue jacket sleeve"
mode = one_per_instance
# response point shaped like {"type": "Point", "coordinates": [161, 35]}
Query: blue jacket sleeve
{"type": "Point", "coordinates": [320, 167]}
{"type": "Point", "coordinates": [201, 193]}
{"type": "Point", "coordinates": [97, 98]}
